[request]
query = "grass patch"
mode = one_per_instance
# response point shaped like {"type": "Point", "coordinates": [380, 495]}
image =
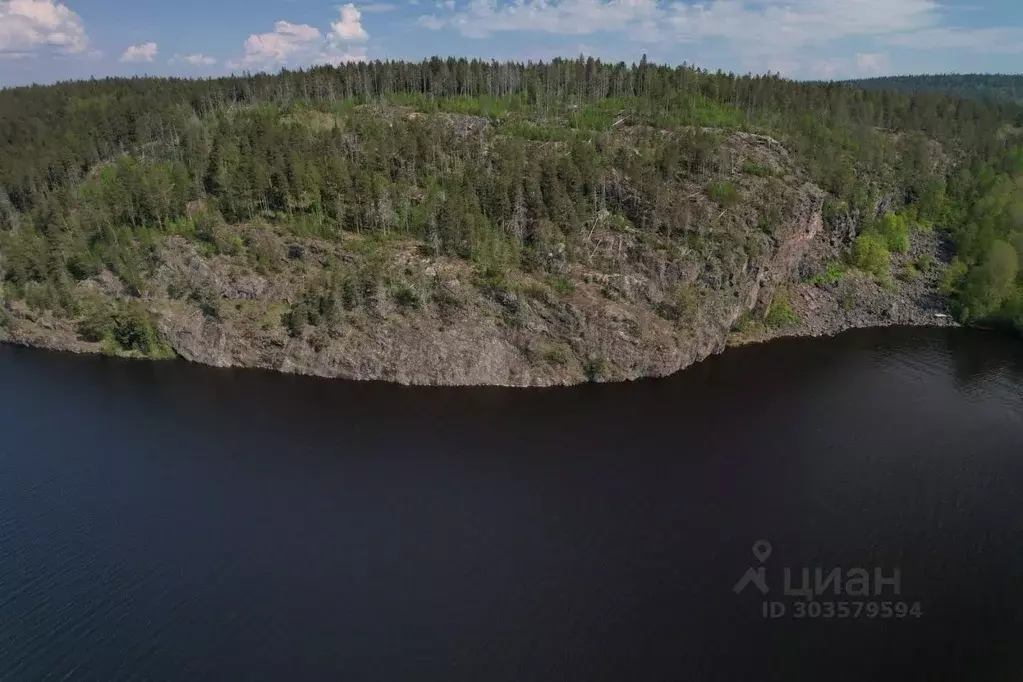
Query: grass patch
{"type": "Point", "coordinates": [557, 354]}
{"type": "Point", "coordinates": [562, 285]}
{"type": "Point", "coordinates": [405, 296]}
{"type": "Point", "coordinates": [833, 273]}
{"type": "Point", "coordinates": [598, 369]}
{"type": "Point", "coordinates": [723, 193]}
{"type": "Point", "coordinates": [758, 169]}
{"type": "Point", "coordinates": [780, 313]}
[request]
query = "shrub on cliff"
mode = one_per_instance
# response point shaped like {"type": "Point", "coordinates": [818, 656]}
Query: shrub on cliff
{"type": "Point", "coordinates": [870, 254]}
{"type": "Point", "coordinates": [894, 228]}
{"type": "Point", "coordinates": [724, 193]}
{"type": "Point", "coordinates": [134, 330]}
{"type": "Point", "coordinates": [124, 327]}
{"type": "Point", "coordinates": [780, 313]}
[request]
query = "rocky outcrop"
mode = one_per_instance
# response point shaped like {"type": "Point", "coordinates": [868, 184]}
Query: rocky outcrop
{"type": "Point", "coordinates": [618, 304]}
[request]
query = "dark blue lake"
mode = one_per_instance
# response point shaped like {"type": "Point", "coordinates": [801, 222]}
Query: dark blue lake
{"type": "Point", "coordinates": [165, 521]}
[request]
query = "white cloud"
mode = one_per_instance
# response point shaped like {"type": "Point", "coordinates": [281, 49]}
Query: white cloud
{"type": "Point", "coordinates": [300, 45]}
{"type": "Point", "coordinates": [27, 26]}
{"type": "Point", "coordinates": [871, 63]}
{"type": "Point", "coordinates": [371, 7]}
{"type": "Point", "coordinates": [431, 22]}
{"type": "Point", "coordinates": [145, 52]}
{"type": "Point", "coordinates": [349, 29]}
{"type": "Point", "coordinates": [192, 60]}
{"type": "Point", "coordinates": [287, 42]}
{"type": "Point", "coordinates": [796, 37]}
{"type": "Point", "coordinates": [802, 21]}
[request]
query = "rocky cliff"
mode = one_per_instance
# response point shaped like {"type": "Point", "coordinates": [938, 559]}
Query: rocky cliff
{"type": "Point", "coordinates": [620, 303]}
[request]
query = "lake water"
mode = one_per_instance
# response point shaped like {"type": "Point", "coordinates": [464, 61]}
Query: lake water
{"type": "Point", "coordinates": [165, 521]}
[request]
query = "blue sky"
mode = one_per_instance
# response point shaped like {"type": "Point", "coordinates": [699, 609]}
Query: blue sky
{"type": "Point", "coordinates": [48, 40]}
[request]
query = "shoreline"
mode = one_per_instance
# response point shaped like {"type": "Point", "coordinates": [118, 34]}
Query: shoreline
{"type": "Point", "coordinates": [782, 335]}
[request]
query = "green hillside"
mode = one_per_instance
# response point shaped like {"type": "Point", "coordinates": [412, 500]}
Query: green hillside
{"type": "Point", "coordinates": [504, 169]}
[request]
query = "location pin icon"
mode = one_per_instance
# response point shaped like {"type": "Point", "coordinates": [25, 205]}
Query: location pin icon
{"type": "Point", "coordinates": [762, 550]}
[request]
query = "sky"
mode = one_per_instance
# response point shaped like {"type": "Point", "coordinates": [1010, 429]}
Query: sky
{"type": "Point", "coordinates": [43, 41]}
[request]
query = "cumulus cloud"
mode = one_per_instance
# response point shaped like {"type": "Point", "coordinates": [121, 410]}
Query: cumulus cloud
{"type": "Point", "coordinates": [301, 45]}
{"type": "Point", "coordinates": [27, 26]}
{"type": "Point", "coordinates": [145, 52]}
{"type": "Point", "coordinates": [287, 42]}
{"type": "Point", "coordinates": [349, 29]}
{"type": "Point", "coordinates": [192, 60]}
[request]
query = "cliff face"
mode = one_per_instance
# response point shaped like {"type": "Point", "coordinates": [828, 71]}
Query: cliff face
{"type": "Point", "coordinates": [619, 304]}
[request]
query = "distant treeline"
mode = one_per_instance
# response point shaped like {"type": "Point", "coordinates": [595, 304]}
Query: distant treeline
{"type": "Point", "coordinates": [1004, 87]}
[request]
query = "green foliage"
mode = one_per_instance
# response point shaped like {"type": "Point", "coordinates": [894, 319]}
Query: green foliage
{"type": "Point", "coordinates": [682, 303]}
{"type": "Point", "coordinates": [96, 324]}
{"type": "Point", "coordinates": [557, 354]}
{"type": "Point", "coordinates": [833, 273]}
{"type": "Point", "coordinates": [780, 313]}
{"type": "Point", "coordinates": [208, 301]}
{"type": "Point", "coordinates": [834, 209]}
{"type": "Point", "coordinates": [976, 85]}
{"type": "Point", "coordinates": [493, 163]}
{"type": "Point", "coordinates": [757, 169]}
{"type": "Point", "coordinates": [598, 369]}
{"type": "Point", "coordinates": [562, 285]}
{"type": "Point", "coordinates": [894, 229]}
{"type": "Point", "coordinates": [989, 286]}
{"type": "Point", "coordinates": [953, 276]}
{"type": "Point", "coordinates": [870, 254]}
{"type": "Point", "coordinates": [296, 319]}
{"type": "Point", "coordinates": [724, 193]}
{"type": "Point", "coordinates": [134, 330]}
{"type": "Point", "coordinates": [405, 296]}
{"type": "Point", "coordinates": [924, 263]}
{"type": "Point", "coordinates": [124, 327]}
{"type": "Point", "coordinates": [492, 280]}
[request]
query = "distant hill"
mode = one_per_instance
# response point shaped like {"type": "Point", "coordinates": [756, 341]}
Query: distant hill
{"type": "Point", "coordinates": [1002, 87]}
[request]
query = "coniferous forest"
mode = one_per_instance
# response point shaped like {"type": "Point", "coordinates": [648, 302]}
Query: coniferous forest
{"type": "Point", "coordinates": [991, 86]}
{"type": "Point", "coordinates": [506, 170]}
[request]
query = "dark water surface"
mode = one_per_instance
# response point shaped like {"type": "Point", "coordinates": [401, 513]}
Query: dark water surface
{"type": "Point", "coordinates": [174, 522]}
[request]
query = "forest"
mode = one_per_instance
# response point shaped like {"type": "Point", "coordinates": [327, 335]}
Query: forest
{"type": "Point", "coordinates": [1006, 87]}
{"type": "Point", "coordinates": [496, 164]}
